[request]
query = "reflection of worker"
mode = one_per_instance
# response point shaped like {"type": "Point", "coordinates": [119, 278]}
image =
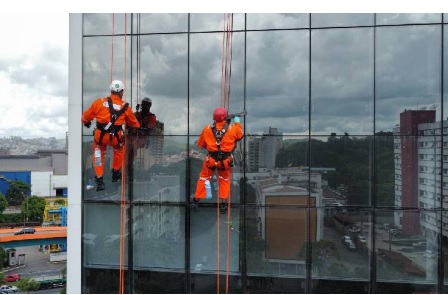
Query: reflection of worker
{"type": "Point", "coordinates": [110, 114]}
{"type": "Point", "coordinates": [219, 140]}
{"type": "Point", "coordinates": [139, 138]}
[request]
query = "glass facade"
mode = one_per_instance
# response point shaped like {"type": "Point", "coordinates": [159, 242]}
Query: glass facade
{"type": "Point", "coordinates": [340, 183]}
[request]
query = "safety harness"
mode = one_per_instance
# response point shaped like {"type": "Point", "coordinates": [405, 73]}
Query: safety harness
{"type": "Point", "coordinates": [219, 156]}
{"type": "Point", "coordinates": [110, 127]}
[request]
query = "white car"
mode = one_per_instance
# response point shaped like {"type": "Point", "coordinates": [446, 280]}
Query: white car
{"type": "Point", "coordinates": [361, 239]}
{"type": "Point", "coordinates": [6, 289]}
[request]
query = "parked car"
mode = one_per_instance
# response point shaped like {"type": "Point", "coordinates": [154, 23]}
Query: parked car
{"type": "Point", "coordinates": [345, 239]}
{"type": "Point", "coordinates": [354, 229]}
{"type": "Point", "coordinates": [429, 254]}
{"type": "Point", "coordinates": [12, 277]}
{"type": "Point", "coordinates": [5, 289]}
{"type": "Point", "coordinates": [25, 230]}
{"type": "Point", "coordinates": [362, 239]}
{"type": "Point", "coordinates": [198, 267]}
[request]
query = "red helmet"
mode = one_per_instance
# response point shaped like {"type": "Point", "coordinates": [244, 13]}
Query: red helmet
{"type": "Point", "coordinates": [219, 114]}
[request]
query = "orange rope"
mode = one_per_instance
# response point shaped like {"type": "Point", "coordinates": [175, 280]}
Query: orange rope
{"type": "Point", "coordinates": [224, 97]}
{"type": "Point", "coordinates": [123, 178]}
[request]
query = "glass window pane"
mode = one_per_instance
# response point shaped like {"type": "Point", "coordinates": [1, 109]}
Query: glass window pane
{"type": "Point", "coordinates": [276, 240]}
{"type": "Point", "coordinates": [160, 22]}
{"type": "Point", "coordinates": [407, 18]}
{"type": "Point", "coordinates": [277, 82]}
{"type": "Point", "coordinates": [206, 78]}
{"type": "Point", "coordinates": [407, 252]}
{"type": "Point", "coordinates": [408, 65]}
{"type": "Point", "coordinates": [207, 227]}
{"type": "Point", "coordinates": [159, 169]}
{"type": "Point", "coordinates": [263, 21]}
{"type": "Point", "coordinates": [163, 75]}
{"type": "Point", "coordinates": [341, 19]}
{"type": "Point", "coordinates": [98, 69]}
{"type": "Point", "coordinates": [214, 21]}
{"type": "Point", "coordinates": [159, 230]}
{"type": "Point", "coordinates": [106, 23]}
{"type": "Point", "coordinates": [101, 240]}
{"type": "Point", "coordinates": [346, 166]}
{"type": "Point", "coordinates": [342, 81]}
{"type": "Point", "coordinates": [342, 250]}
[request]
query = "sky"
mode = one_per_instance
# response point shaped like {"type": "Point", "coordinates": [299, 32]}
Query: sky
{"type": "Point", "coordinates": [34, 54]}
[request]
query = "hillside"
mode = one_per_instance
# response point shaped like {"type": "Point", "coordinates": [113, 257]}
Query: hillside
{"type": "Point", "coordinates": [15, 145]}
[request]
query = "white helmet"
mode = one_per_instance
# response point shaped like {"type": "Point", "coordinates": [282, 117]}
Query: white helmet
{"type": "Point", "coordinates": [147, 99]}
{"type": "Point", "coordinates": [116, 86]}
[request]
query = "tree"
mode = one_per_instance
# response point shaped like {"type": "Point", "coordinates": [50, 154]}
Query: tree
{"type": "Point", "coordinates": [33, 208]}
{"type": "Point", "coordinates": [16, 192]}
{"type": "Point", "coordinates": [28, 284]}
{"type": "Point", "coordinates": [321, 251]}
{"type": "Point", "coordinates": [2, 256]}
{"type": "Point", "coordinates": [3, 203]}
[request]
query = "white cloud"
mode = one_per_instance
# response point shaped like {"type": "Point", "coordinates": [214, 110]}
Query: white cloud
{"type": "Point", "coordinates": [34, 75]}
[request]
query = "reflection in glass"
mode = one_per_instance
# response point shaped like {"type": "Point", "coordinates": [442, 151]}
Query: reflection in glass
{"type": "Point", "coordinates": [158, 237]}
{"type": "Point", "coordinates": [101, 240]}
{"type": "Point", "coordinates": [260, 21]}
{"type": "Point", "coordinates": [106, 23]}
{"type": "Point", "coordinates": [206, 68]}
{"type": "Point", "coordinates": [97, 68]}
{"type": "Point", "coordinates": [159, 169]}
{"type": "Point", "coordinates": [346, 166]}
{"type": "Point", "coordinates": [276, 239]}
{"type": "Point", "coordinates": [407, 18]}
{"type": "Point", "coordinates": [341, 19]}
{"type": "Point", "coordinates": [163, 77]}
{"type": "Point", "coordinates": [206, 229]}
{"type": "Point", "coordinates": [342, 81]}
{"type": "Point", "coordinates": [214, 21]}
{"type": "Point", "coordinates": [408, 65]}
{"type": "Point", "coordinates": [342, 250]}
{"type": "Point", "coordinates": [407, 251]}
{"type": "Point", "coordinates": [277, 82]}
{"type": "Point", "coordinates": [161, 22]}
{"type": "Point", "coordinates": [112, 190]}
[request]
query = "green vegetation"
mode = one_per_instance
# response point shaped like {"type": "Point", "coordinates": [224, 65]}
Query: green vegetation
{"type": "Point", "coordinates": [27, 285]}
{"type": "Point", "coordinates": [17, 191]}
{"type": "Point", "coordinates": [3, 203]}
{"type": "Point", "coordinates": [33, 208]}
{"type": "Point", "coordinates": [353, 160]}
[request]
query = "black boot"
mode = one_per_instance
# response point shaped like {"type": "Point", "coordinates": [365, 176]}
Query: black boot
{"type": "Point", "coordinates": [223, 207]}
{"type": "Point", "coordinates": [99, 183]}
{"type": "Point", "coordinates": [194, 204]}
{"type": "Point", "coordinates": [116, 175]}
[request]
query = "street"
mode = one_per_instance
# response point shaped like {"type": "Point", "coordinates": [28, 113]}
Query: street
{"type": "Point", "coordinates": [37, 265]}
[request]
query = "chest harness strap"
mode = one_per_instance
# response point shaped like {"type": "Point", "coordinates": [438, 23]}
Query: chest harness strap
{"type": "Point", "coordinates": [219, 156]}
{"type": "Point", "coordinates": [110, 127]}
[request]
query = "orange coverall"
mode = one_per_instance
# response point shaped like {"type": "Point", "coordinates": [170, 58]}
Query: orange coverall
{"type": "Point", "coordinates": [137, 141]}
{"type": "Point", "coordinates": [207, 140]}
{"type": "Point", "coordinates": [99, 110]}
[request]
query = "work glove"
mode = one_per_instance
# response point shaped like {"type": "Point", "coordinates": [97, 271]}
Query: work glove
{"type": "Point", "coordinates": [236, 119]}
{"type": "Point", "coordinates": [87, 124]}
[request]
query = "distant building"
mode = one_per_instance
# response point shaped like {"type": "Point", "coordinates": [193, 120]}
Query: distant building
{"type": "Point", "coordinates": [46, 171]}
{"type": "Point", "coordinates": [263, 150]}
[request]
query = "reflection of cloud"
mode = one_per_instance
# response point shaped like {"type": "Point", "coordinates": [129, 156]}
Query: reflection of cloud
{"type": "Point", "coordinates": [277, 70]}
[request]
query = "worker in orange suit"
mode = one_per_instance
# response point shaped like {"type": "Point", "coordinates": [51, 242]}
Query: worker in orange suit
{"type": "Point", "coordinates": [110, 114]}
{"type": "Point", "coordinates": [139, 138]}
{"type": "Point", "coordinates": [220, 140]}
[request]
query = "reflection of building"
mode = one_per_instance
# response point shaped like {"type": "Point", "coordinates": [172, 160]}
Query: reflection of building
{"type": "Point", "coordinates": [158, 221]}
{"type": "Point", "coordinates": [263, 150]}
{"type": "Point", "coordinates": [417, 172]}
{"type": "Point", "coordinates": [282, 222]}
{"type": "Point", "coordinates": [146, 157]}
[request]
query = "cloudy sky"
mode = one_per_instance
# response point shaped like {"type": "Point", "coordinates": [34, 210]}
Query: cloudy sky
{"type": "Point", "coordinates": [34, 74]}
{"type": "Point", "coordinates": [34, 65]}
